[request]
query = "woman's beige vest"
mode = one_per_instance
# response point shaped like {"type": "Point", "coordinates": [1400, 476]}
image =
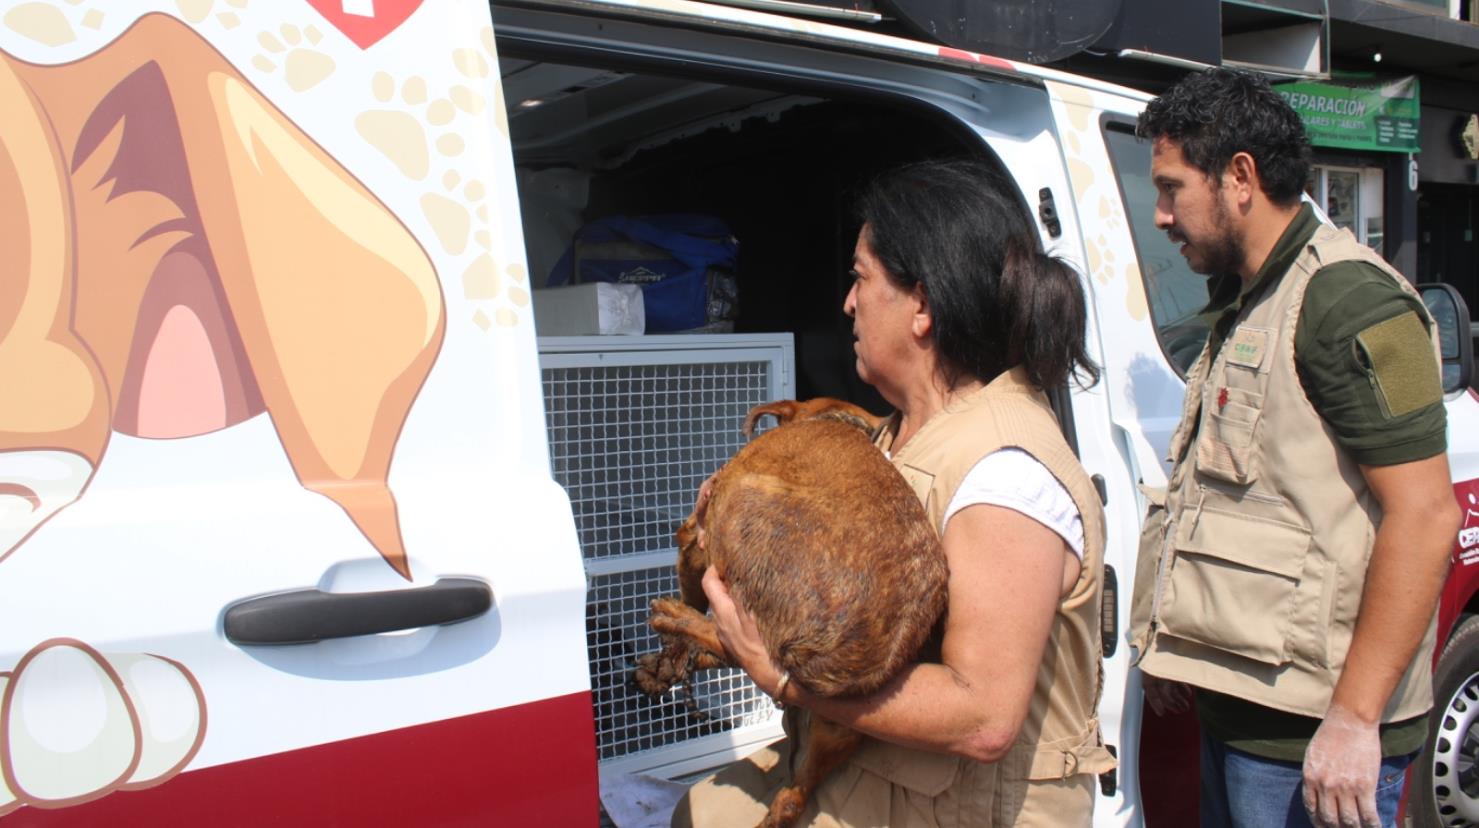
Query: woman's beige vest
{"type": "Point", "coordinates": [1060, 738]}
{"type": "Point", "coordinates": [1250, 578]}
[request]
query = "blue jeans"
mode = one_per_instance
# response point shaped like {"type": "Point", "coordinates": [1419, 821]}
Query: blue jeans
{"type": "Point", "coordinates": [1240, 790]}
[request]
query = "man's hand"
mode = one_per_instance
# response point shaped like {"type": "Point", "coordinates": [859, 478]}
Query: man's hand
{"type": "Point", "coordinates": [1409, 561]}
{"type": "Point", "coordinates": [1165, 697]}
{"type": "Point", "coordinates": [1341, 767]}
{"type": "Point", "coordinates": [739, 635]}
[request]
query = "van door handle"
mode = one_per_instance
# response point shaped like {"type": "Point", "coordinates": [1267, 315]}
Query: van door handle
{"type": "Point", "coordinates": [308, 615]}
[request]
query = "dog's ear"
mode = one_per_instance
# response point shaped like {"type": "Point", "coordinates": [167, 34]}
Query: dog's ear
{"type": "Point", "coordinates": [330, 304]}
{"type": "Point", "coordinates": [338, 307]}
{"type": "Point", "coordinates": [782, 410]}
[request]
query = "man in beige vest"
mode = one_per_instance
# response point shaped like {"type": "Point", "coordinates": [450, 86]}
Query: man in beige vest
{"type": "Point", "coordinates": [1291, 576]}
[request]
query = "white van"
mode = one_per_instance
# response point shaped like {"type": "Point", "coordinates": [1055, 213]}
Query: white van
{"type": "Point", "coordinates": [303, 518]}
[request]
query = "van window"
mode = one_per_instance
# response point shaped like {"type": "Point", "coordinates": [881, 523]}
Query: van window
{"type": "Point", "coordinates": [1177, 295]}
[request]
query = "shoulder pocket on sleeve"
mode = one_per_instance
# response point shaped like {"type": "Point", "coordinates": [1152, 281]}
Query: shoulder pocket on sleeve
{"type": "Point", "coordinates": [1398, 358]}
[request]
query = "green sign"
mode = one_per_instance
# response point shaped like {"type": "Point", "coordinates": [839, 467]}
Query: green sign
{"type": "Point", "coordinates": [1366, 114]}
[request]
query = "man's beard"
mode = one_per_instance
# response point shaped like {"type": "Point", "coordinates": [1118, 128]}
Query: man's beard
{"type": "Point", "coordinates": [1223, 252]}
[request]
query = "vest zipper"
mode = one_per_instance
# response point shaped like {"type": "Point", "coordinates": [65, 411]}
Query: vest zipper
{"type": "Point", "coordinates": [1163, 573]}
{"type": "Point", "coordinates": [1245, 495]}
{"type": "Point", "coordinates": [1196, 517]}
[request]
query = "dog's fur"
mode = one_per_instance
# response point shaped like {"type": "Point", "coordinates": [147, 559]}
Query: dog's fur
{"type": "Point", "coordinates": [822, 541]}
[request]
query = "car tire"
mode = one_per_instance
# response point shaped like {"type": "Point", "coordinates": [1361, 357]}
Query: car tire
{"type": "Point", "coordinates": [1445, 780]}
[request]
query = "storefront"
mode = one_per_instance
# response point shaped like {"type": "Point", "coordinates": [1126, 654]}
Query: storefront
{"type": "Point", "coordinates": [1448, 204]}
{"type": "Point", "coordinates": [1364, 132]}
{"type": "Point", "coordinates": [1402, 176]}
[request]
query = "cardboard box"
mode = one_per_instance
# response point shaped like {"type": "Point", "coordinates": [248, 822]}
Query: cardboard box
{"type": "Point", "coordinates": [598, 308]}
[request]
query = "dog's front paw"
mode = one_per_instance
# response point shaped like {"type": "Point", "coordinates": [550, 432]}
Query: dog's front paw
{"type": "Point", "coordinates": [656, 673]}
{"type": "Point", "coordinates": [672, 617]}
{"type": "Point", "coordinates": [669, 606]}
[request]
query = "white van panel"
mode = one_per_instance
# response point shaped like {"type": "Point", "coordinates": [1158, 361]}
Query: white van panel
{"type": "Point", "coordinates": [173, 529]}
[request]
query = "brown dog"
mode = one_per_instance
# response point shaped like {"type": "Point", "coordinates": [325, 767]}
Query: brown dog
{"type": "Point", "coordinates": [824, 543]}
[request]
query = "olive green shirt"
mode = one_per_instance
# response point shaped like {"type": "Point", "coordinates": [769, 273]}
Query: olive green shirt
{"type": "Point", "coordinates": [1342, 301]}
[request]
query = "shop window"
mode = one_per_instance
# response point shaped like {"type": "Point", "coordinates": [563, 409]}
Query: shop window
{"type": "Point", "coordinates": [1352, 198]}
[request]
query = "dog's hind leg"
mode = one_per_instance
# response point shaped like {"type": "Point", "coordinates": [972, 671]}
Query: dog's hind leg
{"type": "Point", "coordinates": [54, 407]}
{"type": "Point", "coordinates": [828, 746]}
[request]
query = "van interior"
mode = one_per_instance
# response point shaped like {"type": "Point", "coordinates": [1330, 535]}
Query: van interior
{"type": "Point", "coordinates": [780, 167]}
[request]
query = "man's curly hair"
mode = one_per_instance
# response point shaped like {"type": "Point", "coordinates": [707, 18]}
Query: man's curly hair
{"type": "Point", "coordinates": [1216, 113]}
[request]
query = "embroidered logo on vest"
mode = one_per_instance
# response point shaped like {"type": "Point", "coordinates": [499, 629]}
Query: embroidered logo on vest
{"type": "Point", "coordinates": [1247, 347]}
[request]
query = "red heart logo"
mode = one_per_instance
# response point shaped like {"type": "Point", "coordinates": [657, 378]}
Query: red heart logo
{"type": "Point", "coordinates": [365, 21]}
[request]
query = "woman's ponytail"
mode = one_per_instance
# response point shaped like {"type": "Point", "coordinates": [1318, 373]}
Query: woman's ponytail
{"type": "Point", "coordinates": [1043, 305]}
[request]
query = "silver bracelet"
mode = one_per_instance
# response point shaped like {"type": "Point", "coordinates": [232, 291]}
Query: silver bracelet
{"type": "Point", "coordinates": [780, 690]}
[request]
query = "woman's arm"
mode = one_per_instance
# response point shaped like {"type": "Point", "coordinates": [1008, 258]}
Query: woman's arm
{"type": "Point", "coordinates": [1007, 575]}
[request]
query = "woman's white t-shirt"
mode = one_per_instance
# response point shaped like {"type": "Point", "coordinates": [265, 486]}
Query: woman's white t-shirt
{"type": "Point", "coordinates": [1013, 479]}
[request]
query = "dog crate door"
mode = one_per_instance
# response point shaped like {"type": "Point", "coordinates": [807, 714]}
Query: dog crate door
{"type": "Point", "coordinates": [635, 426]}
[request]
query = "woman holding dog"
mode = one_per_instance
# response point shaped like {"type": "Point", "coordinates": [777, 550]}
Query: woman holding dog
{"type": "Point", "coordinates": [961, 321]}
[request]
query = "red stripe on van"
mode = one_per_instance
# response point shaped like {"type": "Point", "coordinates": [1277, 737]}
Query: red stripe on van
{"type": "Point", "coordinates": [533, 764]}
{"type": "Point", "coordinates": [973, 57]}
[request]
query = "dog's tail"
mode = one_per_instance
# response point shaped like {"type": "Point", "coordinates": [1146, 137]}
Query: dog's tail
{"type": "Point", "coordinates": [786, 411]}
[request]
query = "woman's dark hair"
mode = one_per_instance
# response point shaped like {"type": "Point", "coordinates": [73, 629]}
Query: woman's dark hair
{"type": "Point", "coordinates": [997, 300]}
{"type": "Point", "coordinates": [1217, 113]}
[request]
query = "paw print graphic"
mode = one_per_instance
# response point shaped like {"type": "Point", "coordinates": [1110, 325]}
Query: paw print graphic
{"type": "Point", "coordinates": [303, 67]}
{"type": "Point", "coordinates": [397, 133]}
{"type": "Point", "coordinates": [419, 130]}
{"type": "Point", "coordinates": [447, 212]}
{"type": "Point", "coordinates": [49, 24]}
{"type": "Point", "coordinates": [196, 11]}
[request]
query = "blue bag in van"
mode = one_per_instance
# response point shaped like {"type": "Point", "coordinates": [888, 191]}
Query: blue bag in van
{"type": "Point", "coordinates": [684, 263]}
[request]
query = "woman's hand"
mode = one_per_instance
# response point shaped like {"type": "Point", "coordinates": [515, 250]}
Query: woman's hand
{"type": "Point", "coordinates": [740, 636]}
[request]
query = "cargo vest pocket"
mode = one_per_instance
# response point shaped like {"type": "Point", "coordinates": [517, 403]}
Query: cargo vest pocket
{"type": "Point", "coordinates": [921, 771]}
{"type": "Point", "coordinates": [1233, 584]}
{"type": "Point", "coordinates": [1225, 448]}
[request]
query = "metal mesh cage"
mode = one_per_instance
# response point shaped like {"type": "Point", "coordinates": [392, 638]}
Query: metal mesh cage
{"type": "Point", "coordinates": [627, 720]}
{"type": "Point", "coordinates": [632, 443]}
{"type": "Point", "coordinates": [632, 435]}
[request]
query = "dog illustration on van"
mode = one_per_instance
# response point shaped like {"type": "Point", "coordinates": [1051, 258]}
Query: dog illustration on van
{"type": "Point", "coordinates": [180, 258]}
